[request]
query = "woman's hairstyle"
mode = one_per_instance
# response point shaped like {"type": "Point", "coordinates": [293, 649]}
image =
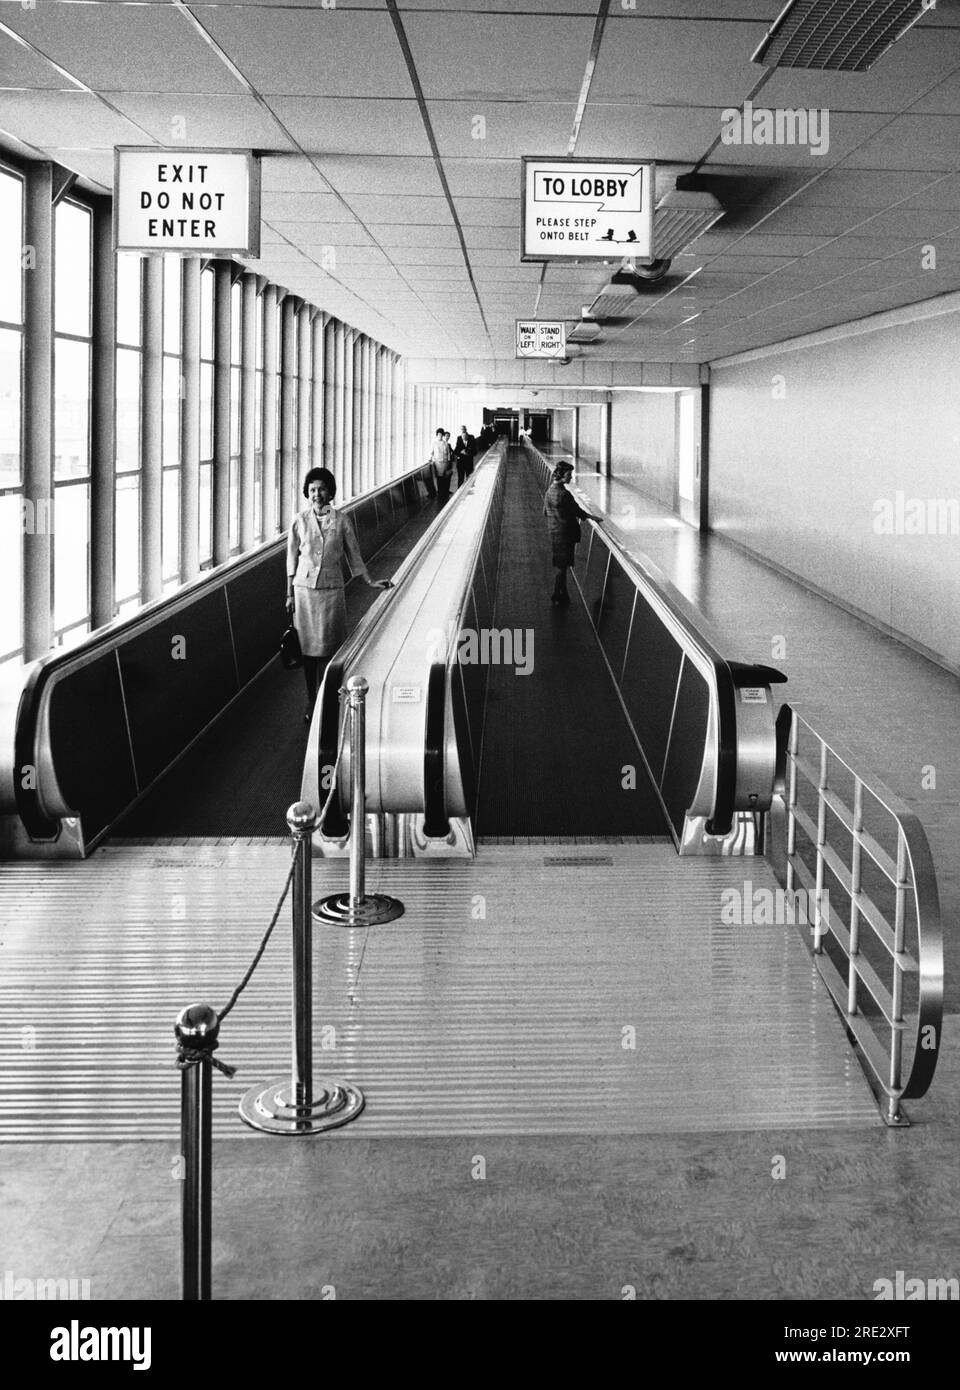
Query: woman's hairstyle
{"type": "Point", "coordinates": [320, 475]}
{"type": "Point", "coordinates": [560, 471]}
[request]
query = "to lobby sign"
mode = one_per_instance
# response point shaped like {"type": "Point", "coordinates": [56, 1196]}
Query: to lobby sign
{"type": "Point", "coordinates": [198, 202]}
{"type": "Point", "coordinates": [540, 338]}
{"type": "Point", "coordinates": [580, 209]}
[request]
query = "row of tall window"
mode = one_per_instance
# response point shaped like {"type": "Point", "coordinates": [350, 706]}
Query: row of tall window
{"type": "Point", "coordinates": [174, 475]}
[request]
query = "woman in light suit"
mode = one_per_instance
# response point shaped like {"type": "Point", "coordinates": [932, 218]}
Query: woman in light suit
{"type": "Point", "coordinates": [317, 542]}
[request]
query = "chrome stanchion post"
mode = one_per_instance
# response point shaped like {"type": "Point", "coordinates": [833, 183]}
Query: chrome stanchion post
{"type": "Point", "coordinates": [356, 908]}
{"type": "Point", "coordinates": [295, 1105]}
{"type": "Point", "coordinates": [196, 1031]}
{"type": "Point", "coordinates": [302, 823]}
{"type": "Point", "coordinates": [357, 689]}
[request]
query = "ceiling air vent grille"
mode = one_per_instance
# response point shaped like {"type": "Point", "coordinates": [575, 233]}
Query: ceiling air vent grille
{"type": "Point", "coordinates": [613, 303]}
{"type": "Point", "coordinates": [680, 217]}
{"type": "Point", "coordinates": [836, 35]}
{"type": "Point", "coordinates": [584, 332]}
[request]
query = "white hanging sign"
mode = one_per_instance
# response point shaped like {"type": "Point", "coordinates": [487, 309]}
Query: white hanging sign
{"type": "Point", "coordinates": [541, 338]}
{"type": "Point", "coordinates": [584, 209]}
{"type": "Point", "coordinates": [191, 201]}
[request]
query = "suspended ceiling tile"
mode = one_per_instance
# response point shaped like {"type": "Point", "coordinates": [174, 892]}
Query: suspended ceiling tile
{"type": "Point", "coordinates": [416, 256]}
{"type": "Point", "coordinates": [506, 238]}
{"type": "Point", "coordinates": [629, 131]}
{"type": "Point", "coordinates": [116, 47]}
{"type": "Point", "coordinates": [329, 125]}
{"type": "Point", "coordinates": [224, 122]}
{"type": "Point", "coordinates": [19, 68]}
{"type": "Point", "coordinates": [483, 177]}
{"type": "Point", "coordinates": [411, 209]}
{"type": "Point", "coordinates": [495, 7]}
{"type": "Point", "coordinates": [823, 222]}
{"type": "Point", "coordinates": [511, 129]}
{"type": "Point", "coordinates": [319, 52]}
{"type": "Point", "coordinates": [382, 176]}
{"type": "Point", "coordinates": [912, 142]}
{"type": "Point", "coordinates": [661, 60]}
{"type": "Point", "coordinates": [301, 207]}
{"type": "Point", "coordinates": [537, 57]}
{"type": "Point", "coordinates": [923, 224]}
{"type": "Point", "coordinates": [488, 212]}
{"type": "Point", "coordinates": [395, 235]}
{"type": "Point", "coordinates": [868, 190]}
{"type": "Point", "coordinates": [68, 120]}
{"type": "Point", "coordinates": [335, 234]}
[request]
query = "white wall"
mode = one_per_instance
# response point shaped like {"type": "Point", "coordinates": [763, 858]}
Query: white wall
{"type": "Point", "coordinates": [807, 443]}
{"type": "Point", "coordinates": [643, 441]}
{"type": "Point", "coordinates": [589, 435]}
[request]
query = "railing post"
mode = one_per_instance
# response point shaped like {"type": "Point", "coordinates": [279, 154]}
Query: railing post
{"type": "Point", "coordinates": [821, 842]}
{"type": "Point", "coordinates": [295, 1105]}
{"type": "Point", "coordinates": [896, 1037]}
{"type": "Point", "coordinates": [196, 1030]}
{"type": "Point", "coordinates": [855, 873]}
{"type": "Point", "coordinates": [357, 908]}
{"type": "Point", "coordinates": [792, 750]}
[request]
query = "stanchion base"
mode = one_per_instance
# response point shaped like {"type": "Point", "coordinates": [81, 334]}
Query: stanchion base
{"type": "Point", "coordinates": [271, 1108]}
{"type": "Point", "coordinates": [375, 908]}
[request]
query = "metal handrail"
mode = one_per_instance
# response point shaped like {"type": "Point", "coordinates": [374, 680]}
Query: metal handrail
{"type": "Point", "coordinates": [912, 876]}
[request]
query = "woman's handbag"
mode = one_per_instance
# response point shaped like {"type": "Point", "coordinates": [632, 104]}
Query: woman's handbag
{"type": "Point", "coordinates": [290, 654]}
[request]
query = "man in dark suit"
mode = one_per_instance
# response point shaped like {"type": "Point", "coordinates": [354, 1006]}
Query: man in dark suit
{"type": "Point", "coordinates": [464, 452]}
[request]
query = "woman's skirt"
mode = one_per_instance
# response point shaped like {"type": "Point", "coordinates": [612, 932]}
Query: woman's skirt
{"type": "Point", "coordinates": [320, 617]}
{"type": "Point", "coordinates": [563, 552]}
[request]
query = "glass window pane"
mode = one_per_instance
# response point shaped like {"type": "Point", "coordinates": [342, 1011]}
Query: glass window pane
{"type": "Point", "coordinates": [127, 571]}
{"type": "Point", "coordinates": [128, 300]}
{"type": "Point", "coordinates": [258, 410]}
{"type": "Point", "coordinates": [11, 248]}
{"type": "Point", "coordinates": [171, 412]}
{"type": "Point", "coordinates": [72, 269]}
{"type": "Point", "coordinates": [171, 523]}
{"type": "Point", "coordinates": [71, 408]}
{"type": "Point", "coordinates": [128, 409]}
{"type": "Point", "coordinates": [258, 495]}
{"type": "Point", "coordinates": [171, 303]}
{"type": "Point", "coordinates": [234, 410]}
{"type": "Point", "coordinates": [259, 330]}
{"type": "Point", "coordinates": [11, 571]}
{"type": "Point", "coordinates": [71, 541]}
{"type": "Point", "coordinates": [206, 410]}
{"type": "Point", "coordinates": [206, 511]}
{"type": "Point", "coordinates": [9, 407]}
{"type": "Point", "coordinates": [234, 517]}
{"type": "Point", "coordinates": [236, 315]}
{"type": "Point", "coordinates": [206, 315]}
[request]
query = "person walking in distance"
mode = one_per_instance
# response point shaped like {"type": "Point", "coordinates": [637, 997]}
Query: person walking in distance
{"type": "Point", "coordinates": [563, 514]}
{"type": "Point", "coordinates": [442, 459]}
{"type": "Point", "coordinates": [464, 452]}
{"type": "Point", "coordinates": [317, 542]}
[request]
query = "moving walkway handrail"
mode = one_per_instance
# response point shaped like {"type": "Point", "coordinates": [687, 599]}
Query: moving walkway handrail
{"type": "Point", "coordinates": [682, 618]}
{"type": "Point", "coordinates": [441, 681]}
{"type": "Point", "coordinates": [335, 823]}
{"type": "Point", "coordinates": [40, 675]}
